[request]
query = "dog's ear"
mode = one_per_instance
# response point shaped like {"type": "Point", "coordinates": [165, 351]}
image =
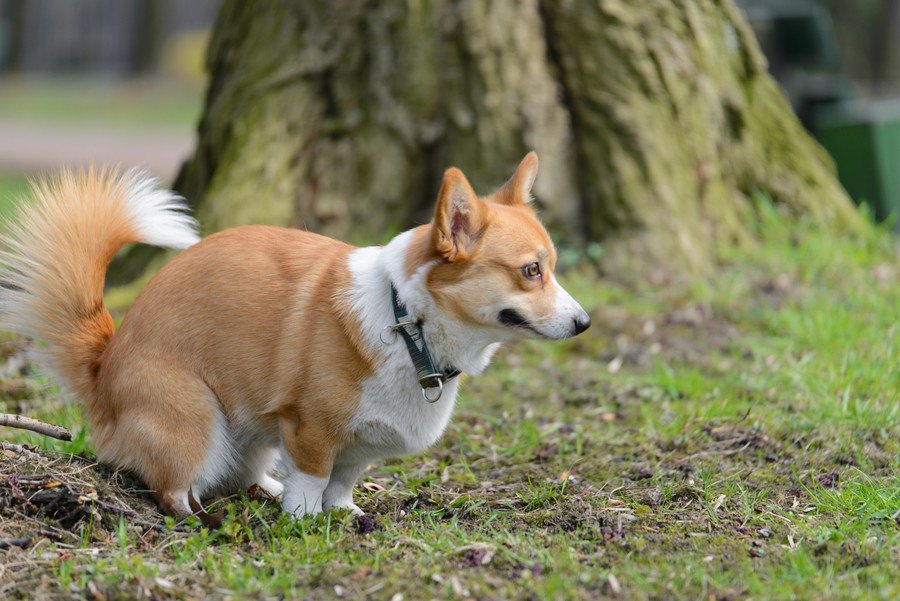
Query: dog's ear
{"type": "Point", "coordinates": [517, 190]}
{"type": "Point", "coordinates": [458, 218]}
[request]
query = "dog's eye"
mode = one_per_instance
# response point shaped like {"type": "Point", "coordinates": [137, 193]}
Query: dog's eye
{"type": "Point", "coordinates": [532, 271]}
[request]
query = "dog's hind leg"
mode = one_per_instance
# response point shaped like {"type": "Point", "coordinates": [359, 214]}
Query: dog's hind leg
{"type": "Point", "coordinates": [162, 422]}
{"type": "Point", "coordinates": [174, 502]}
{"type": "Point", "coordinates": [183, 504]}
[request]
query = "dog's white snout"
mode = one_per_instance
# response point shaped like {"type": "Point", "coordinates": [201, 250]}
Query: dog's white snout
{"type": "Point", "coordinates": [569, 318]}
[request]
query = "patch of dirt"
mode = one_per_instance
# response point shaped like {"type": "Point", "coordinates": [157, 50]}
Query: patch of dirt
{"type": "Point", "coordinates": [474, 558]}
{"type": "Point", "coordinates": [686, 333]}
{"type": "Point", "coordinates": [367, 524]}
{"type": "Point", "coordinates": [829, 480]}
{"type": "Point", "coordinates": [45, 497]}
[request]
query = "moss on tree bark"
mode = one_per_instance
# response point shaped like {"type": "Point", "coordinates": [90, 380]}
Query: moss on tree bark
{"type": "Point", "coordinates": [655, 121]}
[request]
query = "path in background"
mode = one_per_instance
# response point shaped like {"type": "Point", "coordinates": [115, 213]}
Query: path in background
{"type": "Point", "coordinates": [30, 147]}
{"type": "Point", "coordinates": [48, 123]}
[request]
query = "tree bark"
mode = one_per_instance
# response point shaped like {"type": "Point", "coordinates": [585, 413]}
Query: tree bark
{"type": "Point", "coordinates": [655, 121]}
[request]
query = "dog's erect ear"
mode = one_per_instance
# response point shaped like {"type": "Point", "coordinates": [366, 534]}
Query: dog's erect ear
{"type": "Point", "coordinates": [458, 218]}
{"type": "Point", "coordinates": [517, 190]}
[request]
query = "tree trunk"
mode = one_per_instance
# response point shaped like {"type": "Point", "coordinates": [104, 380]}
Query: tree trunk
{"type": "Point", "coordinates": [655, 121]}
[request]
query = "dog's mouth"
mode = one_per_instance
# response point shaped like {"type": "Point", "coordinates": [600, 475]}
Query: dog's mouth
{"type": "Point", "coordinates": [513, 319]}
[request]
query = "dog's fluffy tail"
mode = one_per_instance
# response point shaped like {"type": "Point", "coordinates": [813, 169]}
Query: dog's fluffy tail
{"type": "Point", "coordinates": [55, 259]}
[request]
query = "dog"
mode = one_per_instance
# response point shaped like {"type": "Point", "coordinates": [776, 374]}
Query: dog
{"type": "Point", "coordinates": [258, 342]}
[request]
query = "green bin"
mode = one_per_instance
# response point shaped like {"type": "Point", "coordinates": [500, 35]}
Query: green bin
{"type": "Point", "coordinates": [864, 139]}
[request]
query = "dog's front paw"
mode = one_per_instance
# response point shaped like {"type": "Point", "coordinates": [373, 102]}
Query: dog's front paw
{"type": "Point", "coordinates": [298, 505]}
{"type": "Point", "coordinates": [303, 494]}
{"type": "Point", "coordinates": [299, 510]}
{"type": "Point", "coordinates": [349, 505]}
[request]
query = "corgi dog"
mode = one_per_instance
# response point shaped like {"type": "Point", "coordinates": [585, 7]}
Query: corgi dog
{"type": "Point", "coordinates": [258, 342]}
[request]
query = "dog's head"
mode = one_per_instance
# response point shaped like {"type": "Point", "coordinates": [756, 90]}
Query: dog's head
{"type": "Point", "coordinates": [497, 260]}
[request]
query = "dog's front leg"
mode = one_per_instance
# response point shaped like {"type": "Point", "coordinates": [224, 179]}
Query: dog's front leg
{"type": "Point", "coordinates": [307, 459]}
{"type": "Point", "coordinates": [302, 492]}
{"type": "Point", "coordinates": [339, 493]}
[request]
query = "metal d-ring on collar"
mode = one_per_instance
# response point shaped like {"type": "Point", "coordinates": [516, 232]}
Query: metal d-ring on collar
{"type": "Point", "coordinates": [411, 332]}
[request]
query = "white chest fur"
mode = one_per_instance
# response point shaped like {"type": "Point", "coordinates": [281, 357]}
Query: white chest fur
{"type": "Point", "coordinates": [393, 418]}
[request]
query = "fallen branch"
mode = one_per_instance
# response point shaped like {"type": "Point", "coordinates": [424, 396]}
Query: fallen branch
{"type": "Point", "coordinates": [11, 420]}
{"type": "Point", "coordinates": [18, 449]}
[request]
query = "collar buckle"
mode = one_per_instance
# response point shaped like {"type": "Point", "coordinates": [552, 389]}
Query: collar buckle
{"type": "Point", "coordinates": [439, 379]}
{"type": "Point", "coordinates": [411, 332]}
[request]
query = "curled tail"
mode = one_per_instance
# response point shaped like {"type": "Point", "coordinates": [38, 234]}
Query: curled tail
{"type": "Point", "coordinates": [55, 259]}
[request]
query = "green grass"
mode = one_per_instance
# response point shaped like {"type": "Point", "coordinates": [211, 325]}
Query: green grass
{"type": "Point", "coordinates": [734, 437]}
{"type": "Point", "coordinates": [12, 187]}
{"type": "Point", "coordinates": [99, 102]}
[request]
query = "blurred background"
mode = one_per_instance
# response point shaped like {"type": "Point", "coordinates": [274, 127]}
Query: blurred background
{"type": "Point", "coordinates": [103, 81]}
{"type": "Point", "coordinates": [122, 81]}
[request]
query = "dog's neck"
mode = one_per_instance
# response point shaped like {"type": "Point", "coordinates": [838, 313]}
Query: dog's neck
{"type": "Point", "coordinates": [453, 343]}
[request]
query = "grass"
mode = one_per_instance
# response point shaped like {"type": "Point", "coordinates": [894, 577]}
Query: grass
{"type": "Point", "coordinates": [734, 437]}
{"type": "Point", "coordinates": [99, 102]}
{"type": "Point", "coordinates": [12, 187]}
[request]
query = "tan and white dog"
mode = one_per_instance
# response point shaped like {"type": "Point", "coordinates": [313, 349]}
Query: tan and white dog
{"type": "Point", "coordinates": [259, 340]}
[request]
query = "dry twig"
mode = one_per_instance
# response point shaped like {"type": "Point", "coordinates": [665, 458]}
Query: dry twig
{"type": "Point", "coordinates": [12, 420]}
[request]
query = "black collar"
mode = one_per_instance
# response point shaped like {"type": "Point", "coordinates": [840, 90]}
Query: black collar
{"type": "Point", "coordinates": [411, 331]}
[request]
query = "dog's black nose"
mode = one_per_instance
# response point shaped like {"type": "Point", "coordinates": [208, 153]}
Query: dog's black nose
{"type": "Point", "coordinates": [582, 322]}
